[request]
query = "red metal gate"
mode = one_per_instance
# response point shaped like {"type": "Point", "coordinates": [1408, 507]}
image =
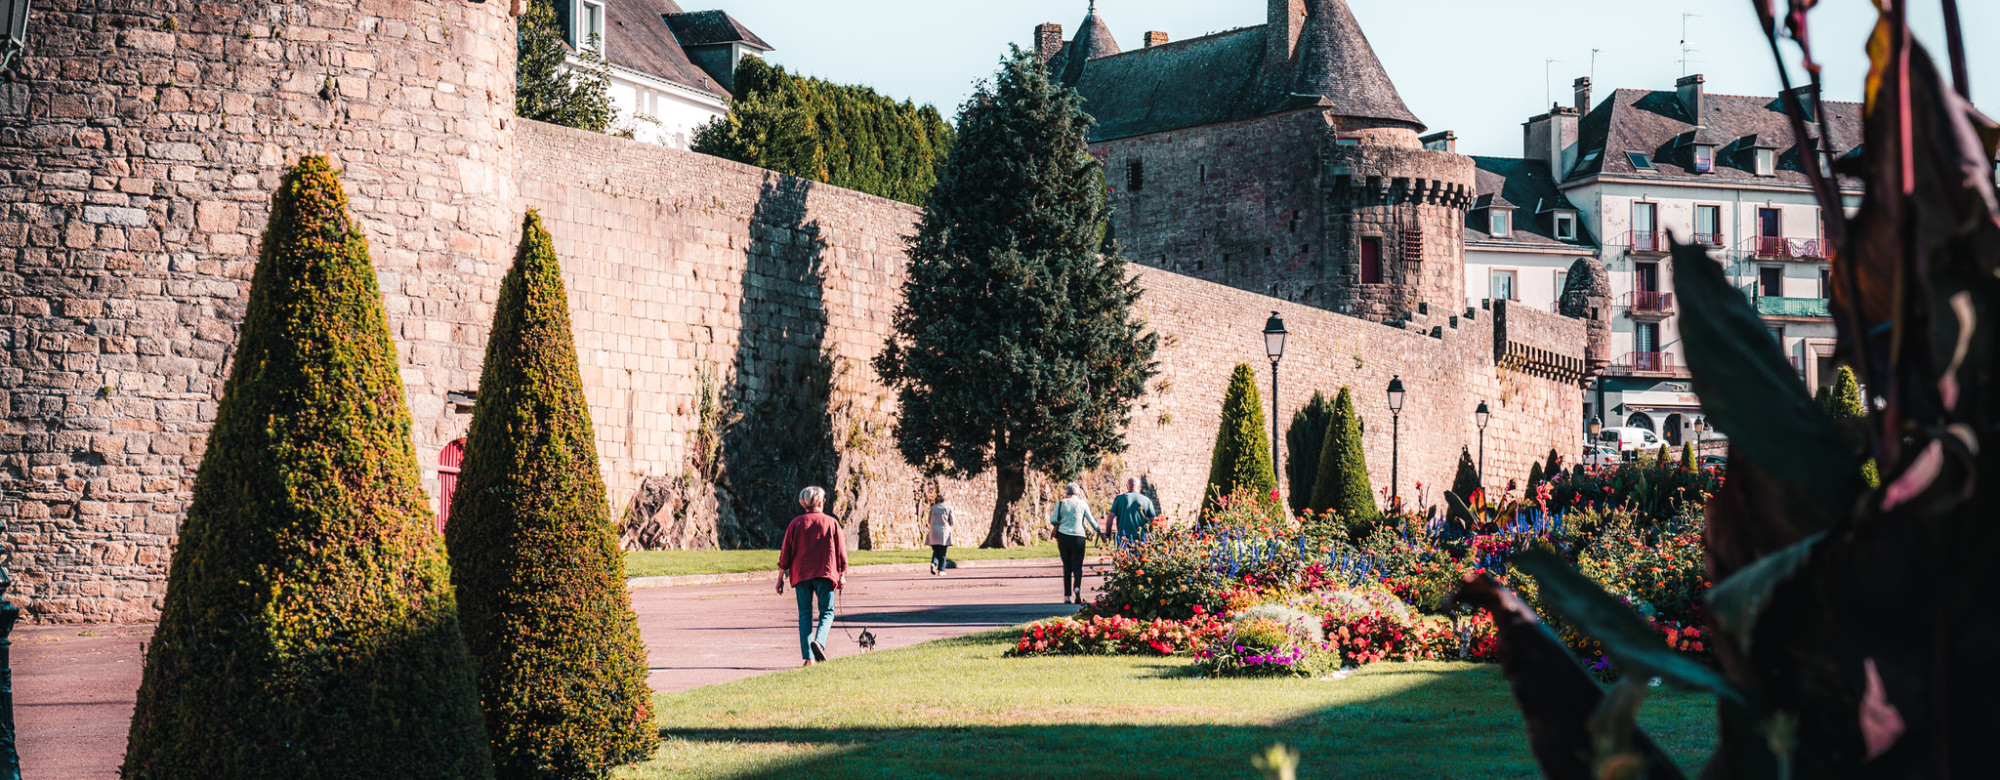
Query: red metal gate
{"type": "Point", "coordinates": [454, 454]}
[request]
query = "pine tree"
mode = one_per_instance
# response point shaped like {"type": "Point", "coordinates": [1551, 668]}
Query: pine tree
{"type": "Point", "coordinates": [1534, 475]}
{"type": "Point", "coordinates": [1342, 484]}
{"type": "Point", "coordinates": [310, 628]}
{"type": "Point", "coordinates": [1466, 479]}
{"type": "Point", "coordinates": [1304, 441]}
{"type": "Point", "coordinates": [546, 88]}
{"type": "Point", "coordinates": [534, 554]}
{"type": "Point", "coordinates": [1241, 460]}
{"type": "Point", "coordinates": [1687, 456]}
{"type": "Point", "coordinates": [1015, 344]}
{"type": "Point", "coordinates": [1553, 466]}
{"type": "Point", "coordinates": [1842, 402]}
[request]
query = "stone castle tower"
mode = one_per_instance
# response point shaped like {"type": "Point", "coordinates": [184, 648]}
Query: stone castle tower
{"type": "Point", "coordinates": [1277, 159]}
{"type": "Point", "coordinates": [139, 145]}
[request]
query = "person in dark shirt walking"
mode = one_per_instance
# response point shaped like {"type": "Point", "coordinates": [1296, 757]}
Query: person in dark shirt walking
{"type": "Point", "coordinates": [1131, 514]}
{"type": "Point", "coordinates": [814, 558]}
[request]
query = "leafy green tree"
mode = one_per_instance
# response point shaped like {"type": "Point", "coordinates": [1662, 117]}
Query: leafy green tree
{"type": "Point", "coordinates": [534, 554]}
{"type": "Point", "coordinates": [546, 88]}
{"type": "Point", "coordinates": [847, 136]}
{"type": "Point", "coordinates": [1241, 461]}
{"type": "Point", "coordinates": [1466, 479]}
{"type": "Point", "coordinates": [1015, 345]}
{"type": "Point", "coordinates": [1304, 440]}
{"type": "Point", "coordinates": [1342, 484]}
{"type": "Point", "coordinates": [310, 628]}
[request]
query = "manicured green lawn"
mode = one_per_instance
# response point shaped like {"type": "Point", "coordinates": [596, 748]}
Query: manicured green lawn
{"type": "Point", "coordinates": [663, 563]}
{"type": "Point", "coordinates": [956, 709]}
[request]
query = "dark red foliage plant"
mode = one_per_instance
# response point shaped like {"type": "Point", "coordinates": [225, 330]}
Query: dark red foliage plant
{"type": "Point", "coordinates": [1852, 632]}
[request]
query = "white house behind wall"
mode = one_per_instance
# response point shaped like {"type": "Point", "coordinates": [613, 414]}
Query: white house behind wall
{"type": "Point", "coordinates": [671, 71]}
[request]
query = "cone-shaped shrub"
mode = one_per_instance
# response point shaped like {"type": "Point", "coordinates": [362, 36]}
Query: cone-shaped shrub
{"type": "Point", "coordinates": [1242, 457]}
{"type": "Point", "coordinates": [1553, 466]}
{"type": "Point", "coordinates": [1687, 456]}
{"type": "Point", "coordinates": [541, 581]}
{"type": "Point", "coordinates": [309, 629]}
{"type": "Point", "coordinates": [1467, 478]}
{"type": "Point", "coordinates": [1304, 441]}
{"type": "Point", "coordinates": [1534, 475]}
{"type": "Point", "coordinates": [1342, 484]}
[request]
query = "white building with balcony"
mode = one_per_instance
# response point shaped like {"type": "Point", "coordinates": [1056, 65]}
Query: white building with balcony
{"type": "Point", "coordinates": [1639, 168]}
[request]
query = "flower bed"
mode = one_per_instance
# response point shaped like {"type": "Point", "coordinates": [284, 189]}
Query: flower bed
{"type": "Point", "coordinates": [1114, 635]}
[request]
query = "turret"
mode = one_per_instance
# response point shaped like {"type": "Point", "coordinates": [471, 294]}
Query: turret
{"type": "Point", "coordinates": [1587, 296]}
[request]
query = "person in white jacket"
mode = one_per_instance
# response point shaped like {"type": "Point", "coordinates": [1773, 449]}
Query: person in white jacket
{"type": "Point", "coordinates": [943, 519]}
{"type": "Point", "coordinates": [1073, 526]}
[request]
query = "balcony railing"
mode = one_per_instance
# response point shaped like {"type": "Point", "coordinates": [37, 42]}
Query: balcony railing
{"type": "Point", "coordinates": [1708, 239]}
{"type": "Point", "coordinates": [1795, 248]}
{"type": "Point", "coordinates": [1771, 306]}
{"type": "Point", "coordinates": [1657, 362]}
{"type": "Point", "coordinates": [1648, 241]}
{"type": "Point", "coordinates": [1645, 302]}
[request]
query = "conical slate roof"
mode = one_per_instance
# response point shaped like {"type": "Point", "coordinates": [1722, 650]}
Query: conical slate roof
{"type": "Point", "coordinates": [1093, 40]}
{"type": "Point", "coordinates": [1335, 61]}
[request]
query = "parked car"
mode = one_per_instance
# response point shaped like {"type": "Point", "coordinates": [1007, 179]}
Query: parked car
{"type": "Point", "coordinates": [1599, 454]}
{"type": "Point", "coordinates": [1715, 461]}
{"type": "Point", "coordinates": [1629, 438]}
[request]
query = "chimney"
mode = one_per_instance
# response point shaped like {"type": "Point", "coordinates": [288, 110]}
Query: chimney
{"type": "Point", "coordinates": [1048, 40]}
{"type": "Point", "coordinates": [1689, 90]}
{"type": "Point", "coordinates": [1552, 138]}
{"type": "Point", "coordinates": [1285, 19]}
{"type": "Point", "coordinates": [1582, 87]}
{"type": "Point", "coordinates": [1445, 141]}
{"type": "Point", "coordinates": [1155, 38]}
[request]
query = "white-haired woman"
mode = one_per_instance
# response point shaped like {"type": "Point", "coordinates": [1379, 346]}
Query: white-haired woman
{"type": "Point", "coordinates": [814, 558]}
{"type": "Point", "coordinates": [1073, 523]}
{"type": "Point", "coordinates": [943, 522]}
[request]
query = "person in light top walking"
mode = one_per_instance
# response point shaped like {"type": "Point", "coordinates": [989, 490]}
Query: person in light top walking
{"type": "Point", "coordinates": [1073, 523]}
{"type": "Point", "coordinates": [943, 521]}
{"type": "Point", "coordinates": [814, 558]}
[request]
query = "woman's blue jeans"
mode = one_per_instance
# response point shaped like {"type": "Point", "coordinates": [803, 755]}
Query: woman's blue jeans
{"type": "Point", "coordinates": [822, 589]}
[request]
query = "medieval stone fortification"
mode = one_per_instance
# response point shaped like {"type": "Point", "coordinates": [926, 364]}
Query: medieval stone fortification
{"type": "Point", "coordinates": [724, 314]}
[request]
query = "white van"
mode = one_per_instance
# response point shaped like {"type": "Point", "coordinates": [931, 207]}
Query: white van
{"type": "Point", "coordinates": [1627, 439]}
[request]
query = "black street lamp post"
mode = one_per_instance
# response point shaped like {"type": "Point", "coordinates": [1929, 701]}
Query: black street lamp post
{"type": "Point", "coordinates": [1596, 427]}
{"type": "Point", "coordinates": [1274, 347]}
{"type": "Point", "coordinates": [1482, 414]}
{"type": "Point", "coordinates": [1395, 439]}
{"type": "Point", "coordinates": [13, 31]}
{"type": "Point", "coordinates": [10, 759]}
{"type": "Point", "coordinates": [1700, 425]}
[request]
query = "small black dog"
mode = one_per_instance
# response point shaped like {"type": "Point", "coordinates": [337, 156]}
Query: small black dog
{"type": "Point", "coordinates": [867, 640]}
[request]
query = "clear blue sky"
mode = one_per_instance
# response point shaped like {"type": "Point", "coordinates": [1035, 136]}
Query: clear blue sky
{"type": "Point", "coordinates": [1473, 66]}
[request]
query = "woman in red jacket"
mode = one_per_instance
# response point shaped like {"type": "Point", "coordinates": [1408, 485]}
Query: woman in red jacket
{"type": "Point", "coordinates": [814, 558]}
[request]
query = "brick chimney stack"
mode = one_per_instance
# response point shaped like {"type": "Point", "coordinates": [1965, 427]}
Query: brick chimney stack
{"type": "Point", "coordinates": [1689, 90]}
{"type": "Point", "coordinates": [1155, 38]}
{"type": "Point", "coordinates": [1048, 40]}
{"type": "Point", "coordinates": [1285, 19]}
{"type": "Point", "coordinates": [1582, 94]}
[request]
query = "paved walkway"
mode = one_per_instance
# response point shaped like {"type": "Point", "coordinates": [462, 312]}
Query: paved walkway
{"type": "Point", "coordinates": [74, 685]}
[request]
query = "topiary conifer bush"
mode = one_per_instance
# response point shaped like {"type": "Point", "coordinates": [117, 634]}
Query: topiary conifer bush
{"type": "Point", "coordinates": [1466, 478]}
{"type": "Point", "coordinates": [1305, 440]}
{"type": "Point", "coordinates": [535, 557]}
{"type": "Point", "coordinates": [1241, 461]}
{"type": "Point", "coordinates": [309, 628]}
{"type": "Point", "coordinates": [1342, 485]}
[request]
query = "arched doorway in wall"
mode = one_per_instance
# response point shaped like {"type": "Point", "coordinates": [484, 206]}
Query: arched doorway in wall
{"type": "Point", "coordinates": [454, 454]}
{"type": "Point", "coordinates": [1670, 429]}
{"type": "Point", "coordinates": [1639, 420]}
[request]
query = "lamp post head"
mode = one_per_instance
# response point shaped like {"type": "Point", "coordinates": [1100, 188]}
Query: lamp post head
{"type": "Point", "coordinates": [1274, 337]}
{"type": "Point", "coordinates": [1395, 394]}
{"type": "Point", "coordinates": [1482, 414]}
{"type": "Point", "coordinates": [13, 30]}
{"type": "Point", "coordinates": [1700, 425]}
{"type": "Point", "coordinates": [1596, 426]}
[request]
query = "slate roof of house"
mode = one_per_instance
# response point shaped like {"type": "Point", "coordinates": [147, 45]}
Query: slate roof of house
{"type": "Point", "coordinates": [637, 37]}
{"type": "Point", "coordinates": [1224, 77]}
{"type": "Point", "coordinates": [1657, 125]}
{"type": "Point", "coordinates": [708, 28]}
{"type": "Point", "coordinates": [1529, 188]}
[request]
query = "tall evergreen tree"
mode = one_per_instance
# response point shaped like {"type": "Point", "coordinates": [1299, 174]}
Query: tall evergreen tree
{"type": "Point", "coordinates": [546, 88]}
{"type": "Point", "coordinates": [1241, 460]}
{"type": "Point", "coordinates": [1015, 345]}
{"type": "Point", "coordinates": [310, 628]}
{"type": "Point", "coordinates": [534, 555]}
{"type": "Point", "coordinates": [1842, 402]}
{"type": "Point", "coordinates": [1534, 475]}
{"type": "Point", "coordinates": [1304, 440]}
{"type": "Point", "coordinates": [1342, 484]}
{"type": "Point", "coordinates": [1553, 466]}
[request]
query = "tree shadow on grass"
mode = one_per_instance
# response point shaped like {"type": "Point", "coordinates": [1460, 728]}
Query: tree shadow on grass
{"type": "Point", "coordinates": [1459, 724]}
{"type": "Point", "coordinates": [995, 615]}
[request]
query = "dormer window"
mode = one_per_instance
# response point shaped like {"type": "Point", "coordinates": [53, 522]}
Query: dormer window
{"type": "Point", "coordinates": [1704, 158]}
{"type": "Point", "coordinates": [587, 26]}
{"type": "Point", "coordinates": [1767, 162]}
{"type": "Point", "coordinates": [1502, 222]}
{"type": "Point", "coordinates": [1566, 226]}
{"type": "Point", "coordinates": [1640, 160]}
